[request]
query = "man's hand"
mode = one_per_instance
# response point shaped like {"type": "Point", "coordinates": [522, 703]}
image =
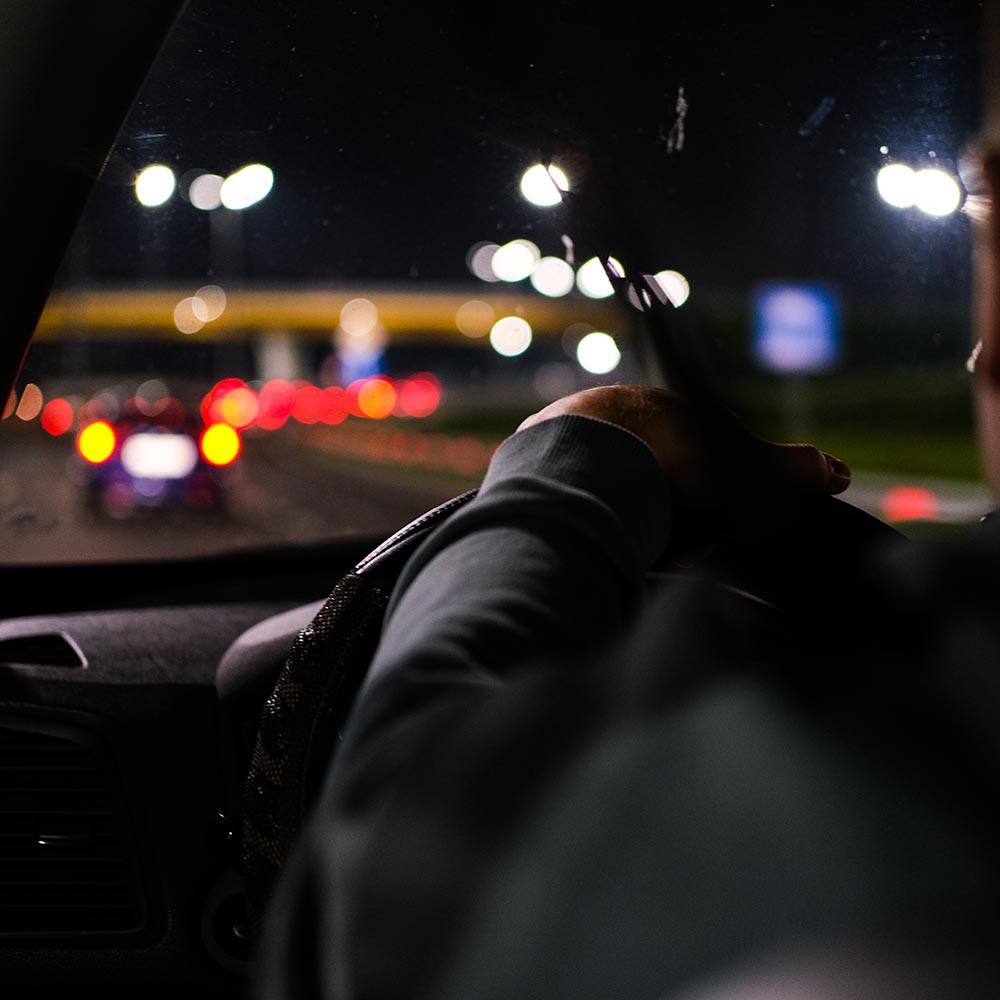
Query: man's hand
{"type": "Point", "coordinates": [718, 472]}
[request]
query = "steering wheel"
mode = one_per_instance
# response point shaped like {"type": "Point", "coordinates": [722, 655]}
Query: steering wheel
{"type": "Point", "coordinates": [802, 559]}
{"type": "Point", "coordinates": [804, 555]}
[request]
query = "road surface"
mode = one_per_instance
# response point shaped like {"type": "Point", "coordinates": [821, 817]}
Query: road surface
{"type": "Point", "coordinates": [301, 487]}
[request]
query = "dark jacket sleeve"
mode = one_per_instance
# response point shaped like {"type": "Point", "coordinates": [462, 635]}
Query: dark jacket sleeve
{"type": "Point", "coordinates": [720, 792]}
{"type": "Point", "coordinates": [540, 569]}
{"type": "Point", "coordinates": [545, 563]}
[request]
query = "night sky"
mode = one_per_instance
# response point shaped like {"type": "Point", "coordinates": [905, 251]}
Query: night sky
{"type": "Point", "coordinates": [398, 136]}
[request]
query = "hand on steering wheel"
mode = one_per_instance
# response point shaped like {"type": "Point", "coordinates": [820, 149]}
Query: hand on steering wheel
{"type": "Point", "coordinates": [760, 515]}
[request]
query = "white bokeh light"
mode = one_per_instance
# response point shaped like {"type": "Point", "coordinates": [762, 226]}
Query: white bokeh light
{"type": "Point", "coordinates": [190, 314]}
{"type": "Point", "coordinates": [479, 260]}
{"type": "Point", "coordinates": [553, 277]}
{"type": "Point", "coordinates": [933, 190]}
{"type": "Point", "coordinates": [896, 183]}
{"type": "Point", "coordinates": [510, 336]}
{"type": "Point", "coordinates": [592, 280]}
{"type": "Point", "coordinates": [544, 186]}
{"type": "Point", "coordinates": [159, 456]}
{"type": "Point", "coordinates": [359, 317]}
{"type": "Point", "coordinates": [246, 186]}
{"type": "Point", "coordinates": [675, 286]}
{"type": "Point", "coordinates": [598, 353]}
{"type": "Point", "coordinates": [213, 301]}
{"type": "Point", "coordinates": [155, 185]}
{"type": "Point", "coordinates": [515, 261]}
{"type": "Point", "coordinates": [936, 192]}
{"type": "Point", "coordinates": [205, 192]}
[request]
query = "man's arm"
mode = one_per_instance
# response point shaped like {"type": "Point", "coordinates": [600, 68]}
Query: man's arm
{"type": "Point", "coordinates": [544, 565]}
{"type": "Point", "coordinates": [535, 574]}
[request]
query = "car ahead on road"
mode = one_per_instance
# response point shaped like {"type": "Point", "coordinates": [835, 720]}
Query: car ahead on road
{"type": "Point", "coordinates": [765, 206]}
{"type": "Point", "coordinates": [154, 454]}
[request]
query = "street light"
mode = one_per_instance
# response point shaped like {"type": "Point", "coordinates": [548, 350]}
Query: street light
{"type": "Point", "coordinates": [154, 185]}
{"type": "Point", "coordinates": [544, 184]}
{"type": "Point", "coordinates": [246, 186]}
{"type": "Point", "coordinates": [932, 190]}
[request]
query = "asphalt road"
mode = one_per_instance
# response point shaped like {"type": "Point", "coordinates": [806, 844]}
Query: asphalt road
{"type": "Point", "coordinates": [283, 490]}
{"type": "Point", "coordinates": [278, 491]}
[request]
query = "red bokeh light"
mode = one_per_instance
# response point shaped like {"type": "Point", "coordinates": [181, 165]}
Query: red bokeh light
{"type": "Point", "coordinates": [275, 402]}
{"type": "Point", "coordinates": [230, 401]}
{"type": "Point", "coordinates": [910, 503]}
{"type": "Point", "coordinates": [306, 407]}
{"type": "Point", "coordinates": [333, 405]}
{"type": "Point", "coordinates": [419, 395]}
{"type": "Point", "coordinates": [57, 416]}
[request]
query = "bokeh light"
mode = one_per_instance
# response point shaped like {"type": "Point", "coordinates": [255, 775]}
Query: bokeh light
{"type": "Point", "coordinates": [97, 442]}
{"type": "Point", "coordinates": [212, 405]}
{"type": "Point", "coordinates": [479, 260]}
{"type": "Point", "coordinates": [306, 407]}
{"type": "Point", "coordinates": [896, 183]}
{"type": "Point", "coordinates": [246, 186]}
{"type": "Point", "coordinates": [151, 455]}
{"type": "Point", "coordinates": [544, 185]}
{"type": "Point", "coordinates": [332, 405]}
{"type": "Point", "coordinates": [511, 336]}
{"type": "Point", "coordinates": [592, 279]}
{"type": "Point", "coordinates": [553, 277]}
{"type": "Point", "coordinates": [675, 286]}
{"type": "Point", "coordinates": [419, 395]}
{"type": "Point", "coordinates": [358, 317]}
{"type": "Point", "coordinates": [213, 302]}
{"type": "Point", "coordinates": [376, 398]}
{"type": "Point", "coordinates": [598, 353]}
{"type": "Point", "coordinates": [104, 406]}
{"type": "Point", "coordinates": [933, 190]}
{"type": "Point", "coordinates": [150, 398]}
{"type": "Point", "coordinates": [239, 407]}
{"type": "Point", "coordinates": [57, 416]}
{"type": "Point", "coordinates": [205, 192]}
{"type": "Point", "coordinates": [190, 314]}
{"type": "Point", "coordinates": [274, 404]}
{"type": "Point", "coordinates": [514, 261]}
{"type": "Point", "coordinates": [572, 336]}
{"type": "Point", "coordinates": [220, 444]}
{"type": "Point", "coordinates": [154, 185]}
{"type": "Point", "coordinates": [910, 503]}
{"type": "Point", "coordinates": [936, 193]}
{"type": "Point", "coordinates": [30, 404]}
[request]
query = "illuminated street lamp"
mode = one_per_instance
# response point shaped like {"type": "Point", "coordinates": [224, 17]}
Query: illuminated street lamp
{"type": "Point", "coordinates": [246, 186]}
{"type": "Point", "coordinates": [934, 191]}
{"type": "Point", "coordinates": [240, 190]}
{"type": "Point", "coordinates": [544, 184]}
{"type": "Point", "coordinates": [154, 185]}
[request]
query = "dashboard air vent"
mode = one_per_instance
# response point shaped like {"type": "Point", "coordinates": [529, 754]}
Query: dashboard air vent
{"type": "Point", "coordinates": [49, 649]}
{"type": "Point", "coordinates": [67, 861]}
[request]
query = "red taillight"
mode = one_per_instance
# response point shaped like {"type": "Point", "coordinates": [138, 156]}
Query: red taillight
{"type": "Point", "coordinates": [57, 416]}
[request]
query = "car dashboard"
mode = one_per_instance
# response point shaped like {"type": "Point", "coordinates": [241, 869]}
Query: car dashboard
{"type": "Point", "coordinates": [125, 734]}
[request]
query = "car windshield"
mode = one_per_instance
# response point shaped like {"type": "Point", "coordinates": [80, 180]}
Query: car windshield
{"type": "Point", "coordinates": [337, 255]}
